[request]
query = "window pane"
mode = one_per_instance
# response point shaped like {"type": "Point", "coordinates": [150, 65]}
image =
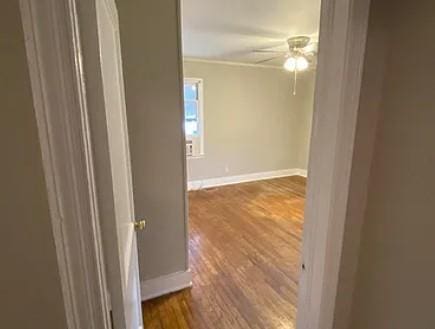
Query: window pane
{"type": "Point", "coordinates": [190, 91]}
{"type": "Point", "coordinates": [191, 118]}
{"type": "Point", "coordinates": [190, 110]}
{"type": "Point", "coordinates": [191, 128]}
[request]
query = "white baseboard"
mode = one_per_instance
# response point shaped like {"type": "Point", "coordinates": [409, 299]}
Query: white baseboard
{"type": "Point", "coordinates": [165, 284]}
{"type": "Point", "coordinates": [302, 172]}
{"type": "Point", "coordinates": [228, 180]}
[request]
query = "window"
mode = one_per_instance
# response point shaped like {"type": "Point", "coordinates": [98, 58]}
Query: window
{"type": "Point", "coordinates": [193, 117]}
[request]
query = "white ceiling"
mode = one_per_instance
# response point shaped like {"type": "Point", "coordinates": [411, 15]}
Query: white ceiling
{"type": "Point", "coordinates": [229, 30]}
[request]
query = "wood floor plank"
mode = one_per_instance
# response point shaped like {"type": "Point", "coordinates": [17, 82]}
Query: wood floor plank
{"type": "Point", "coordinates": [244, 254]}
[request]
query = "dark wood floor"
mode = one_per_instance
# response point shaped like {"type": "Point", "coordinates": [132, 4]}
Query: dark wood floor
{"type": "Point", "coordinates": [244, 247]}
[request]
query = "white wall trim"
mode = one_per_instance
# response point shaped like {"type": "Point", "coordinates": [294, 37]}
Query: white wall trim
{"type": "Point", "coordinates": [228, 180]}
{"type": "Point", "coordinates": [343, 31]}
{"type": "Point", "coordinates": [54, 60]}
{"type": "Point", "coordinates": [301, 172]}
{"type": "Point", "coordinates": [165, 284]}
{"type": "Point", "coordinates": [183, 136]}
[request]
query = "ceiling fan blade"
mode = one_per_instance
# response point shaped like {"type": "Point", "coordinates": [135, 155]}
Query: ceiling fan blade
{"type": "Point", "coordinates": [270, 51]}
{"type": "Point", "coordinates": [311, 56]}
{"type": "Point", "coordinates": [312, 47]}
{"type": "Point", "coordinates": [268, 59]}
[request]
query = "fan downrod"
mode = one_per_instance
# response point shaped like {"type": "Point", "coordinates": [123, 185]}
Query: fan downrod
{"type": "Point", "coordinates": [298, 42]}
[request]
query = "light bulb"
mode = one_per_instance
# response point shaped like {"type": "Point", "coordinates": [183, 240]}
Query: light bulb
{"type": "Point", "coordinates": [290, 64]}
{"type": "Point", "coordinates": [301, 63]}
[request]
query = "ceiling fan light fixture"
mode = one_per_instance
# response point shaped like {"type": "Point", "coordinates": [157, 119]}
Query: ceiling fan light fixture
{"type": "Point", "coordinates": [301, 63]}
{"type": "Point", "coordinates": [290, 64]}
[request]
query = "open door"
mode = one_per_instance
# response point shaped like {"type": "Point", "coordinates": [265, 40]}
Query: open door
{"type": "Point", "coordinates": [119, 222]}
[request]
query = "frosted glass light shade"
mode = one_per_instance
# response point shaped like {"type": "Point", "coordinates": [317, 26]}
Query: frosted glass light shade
{"type": "Point", "coordinates": [301, 63]}
{"type": "Point", "coordinates": [296, 63]}
{"type": "Point", "coordinates": [290, 64]}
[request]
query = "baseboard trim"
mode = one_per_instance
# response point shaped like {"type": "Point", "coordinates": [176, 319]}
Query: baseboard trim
{"type": "Point", "coordinates": [228, 180]}
{"type": "Point", "coordinates": [302, 172]}
{"type": "Point", "coordinates": [165, 284]}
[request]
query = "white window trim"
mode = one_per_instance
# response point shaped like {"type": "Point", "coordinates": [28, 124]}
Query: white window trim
{"type": "Point", "coordinates": [200, 83]}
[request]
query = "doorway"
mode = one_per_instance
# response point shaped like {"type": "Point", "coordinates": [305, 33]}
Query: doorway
{"type": "Point", "coordinates": [329, 170]}
{"type": "Point", "coordinates": [248, 87]}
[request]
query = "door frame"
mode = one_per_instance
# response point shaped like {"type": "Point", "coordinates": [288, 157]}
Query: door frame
{"type": "Point", "coordinates": [54, 55]}
{"type": "Point", "coordinates": [53, 45]}
{"type": "Point", "coordinates": [335, 201]}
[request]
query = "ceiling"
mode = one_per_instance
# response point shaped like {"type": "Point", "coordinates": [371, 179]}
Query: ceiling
{"type": "Point", "coordinates": [228, 30]}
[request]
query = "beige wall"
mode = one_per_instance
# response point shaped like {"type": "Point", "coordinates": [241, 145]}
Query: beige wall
{"type": "Point", "coordinates": [29, 280]}
{"type": "Point", "coordinates": [395, 277]}
{"type": "Point", "coordinates": [151, 62]}
{"type": "Point", "coordinates": [252, 121]}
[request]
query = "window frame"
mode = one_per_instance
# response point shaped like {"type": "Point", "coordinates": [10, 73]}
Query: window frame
{"type": "Point", "coordinates": [199, 140]}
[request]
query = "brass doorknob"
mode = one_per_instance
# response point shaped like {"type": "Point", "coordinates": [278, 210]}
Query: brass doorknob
{"type": "Point", "coordinates": [139, 225]}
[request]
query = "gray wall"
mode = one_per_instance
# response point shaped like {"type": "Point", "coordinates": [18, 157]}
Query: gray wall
{"type": "Point", "coordinates": [395, 278]}
{"type": "Point", "coordinates": [29, 280]}
{"type": "Point", "coordinates": [152, 72]}
{"type": "Point", "coordinates": [252, 121]}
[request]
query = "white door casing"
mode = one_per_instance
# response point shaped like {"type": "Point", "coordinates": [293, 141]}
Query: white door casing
{"type": "Point", "coordinates": [121, 246]}
{"type": "Point", "coordinates": [78, 96]}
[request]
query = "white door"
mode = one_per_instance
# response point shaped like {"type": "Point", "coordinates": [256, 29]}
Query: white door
{"type": "Point", "coordinates": [121, 251]}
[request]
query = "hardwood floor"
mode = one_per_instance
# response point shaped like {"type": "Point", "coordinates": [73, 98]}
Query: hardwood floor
{"type": "Point", "coordinates": [244, 250]}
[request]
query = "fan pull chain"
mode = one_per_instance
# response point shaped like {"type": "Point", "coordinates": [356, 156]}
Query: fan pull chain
{"type": "Point", "coordinates": [295, 82]}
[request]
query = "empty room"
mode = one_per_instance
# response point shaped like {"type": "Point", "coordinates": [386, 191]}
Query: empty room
{"type": "Point", "coordinates": [157, 172]}
{"type": "Point", "coordinates": [248, 87]}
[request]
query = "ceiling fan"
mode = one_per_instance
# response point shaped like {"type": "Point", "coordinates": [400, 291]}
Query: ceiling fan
{"type": "Point", "coordinates": [300, 56]}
